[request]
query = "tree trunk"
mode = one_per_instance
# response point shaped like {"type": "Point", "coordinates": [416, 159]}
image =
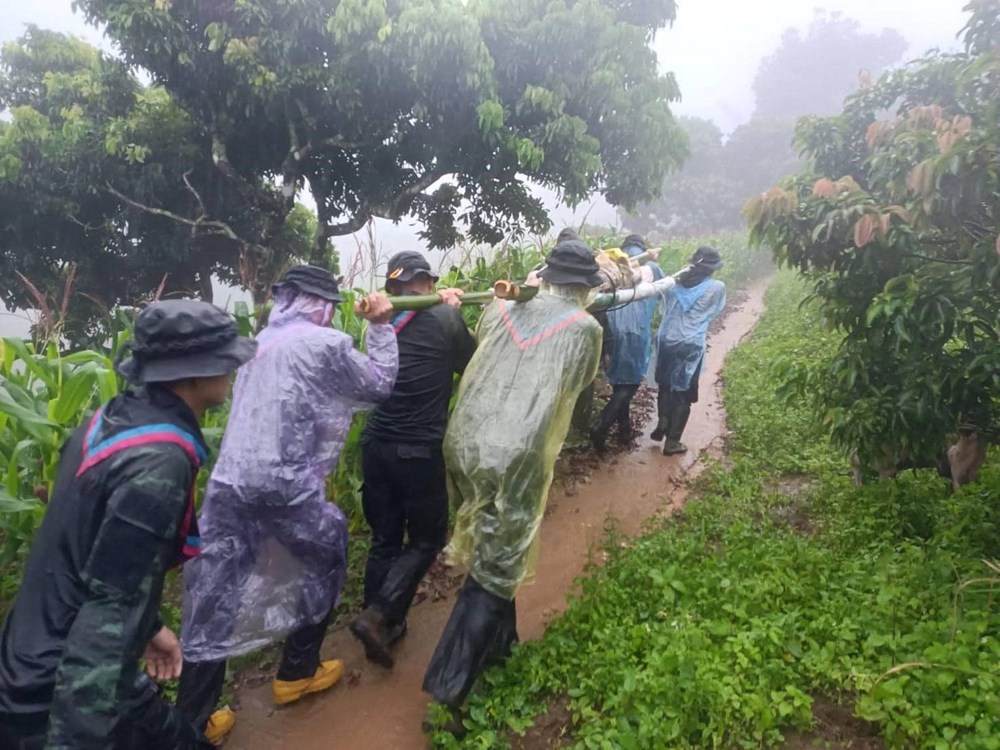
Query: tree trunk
{"type": "Point", "coordinates": [205, 292]}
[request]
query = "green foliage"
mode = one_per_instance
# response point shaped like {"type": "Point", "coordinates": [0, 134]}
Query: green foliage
{"type": "Point", "coordinates": [896, 228]}
{"type": "Point", "coordinates": [780, 583]}
{"type": "Point", "coordinates": [43, 397]}
{"type": "Point", "coordinates": [437, 109]}
{"type": "Point", "coordinates": [87, 144]}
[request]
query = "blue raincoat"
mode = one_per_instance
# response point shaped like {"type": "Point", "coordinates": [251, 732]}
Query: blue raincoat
{"type": "Point", "coordinates": [632, 326]}
{"type": "Point", "coordinates": [680, 342]}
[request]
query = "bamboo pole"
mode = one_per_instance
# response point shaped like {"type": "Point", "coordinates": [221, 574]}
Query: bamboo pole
{"type": "Point", "coordinates": [519, 292]}
{"type": "Point", "coordinates": [508, 290]}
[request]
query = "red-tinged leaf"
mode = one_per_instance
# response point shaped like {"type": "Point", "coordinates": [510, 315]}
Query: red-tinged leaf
{"type": "Point", "coordinates": [824, 188]}
{"type": "Point", "coordinates": [864, 230]}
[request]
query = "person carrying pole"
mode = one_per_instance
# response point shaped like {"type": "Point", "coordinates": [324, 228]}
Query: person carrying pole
{"type": "Point", "coordinates": [404, 492]}
{"type": "Point", "coordinates": [121, 514]}
{"type": "Point", "coordinates": [625, 369]}
{"type": "Point", "coordinates": [689, 307]}
{"type": "Point", "coordinates": [509, 423]}
{"type": "Point", "coordinates": [274, 551]}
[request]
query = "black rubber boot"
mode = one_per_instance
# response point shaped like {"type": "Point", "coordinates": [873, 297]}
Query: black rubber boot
{"type": "Point", "coordinates": [680, 410]}
{"type": "Point", "coordinates": [615, 411]}
{"type": "Point", "coordinates": [624, 416]}
{"type": "Point", "coordinates": [663, 400]}
{"type": "Point", "coordinates": [370, 628]}
{"type": "Point", "coordinates": [599, 435]}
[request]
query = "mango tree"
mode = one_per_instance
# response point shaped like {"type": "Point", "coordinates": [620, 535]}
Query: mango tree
{"type": "Point", "coordinates": [897, 227]}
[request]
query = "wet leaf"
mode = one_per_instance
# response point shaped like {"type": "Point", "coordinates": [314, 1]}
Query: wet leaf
{"type": "Point", "coordinates": [864, 230]}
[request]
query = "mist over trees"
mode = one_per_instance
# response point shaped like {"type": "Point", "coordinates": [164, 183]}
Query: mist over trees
{"type": "Point", "coordinates": [810, 73]}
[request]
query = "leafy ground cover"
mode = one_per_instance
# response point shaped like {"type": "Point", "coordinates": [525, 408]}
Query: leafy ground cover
{"type": "Point", "coordinates": [783, 606]}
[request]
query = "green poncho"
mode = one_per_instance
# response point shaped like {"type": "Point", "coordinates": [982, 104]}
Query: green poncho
{"type": "Point", "coordinates": [509, 424]}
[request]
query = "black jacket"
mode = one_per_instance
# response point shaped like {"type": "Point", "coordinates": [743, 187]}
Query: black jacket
{"type": "Point", "coordinates": [434, 346]}
{"type": "Point", "coordinates": [89, 600]}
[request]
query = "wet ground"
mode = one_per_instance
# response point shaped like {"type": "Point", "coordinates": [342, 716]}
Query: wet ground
{"type": "Point", "coordinates": [374, 709]}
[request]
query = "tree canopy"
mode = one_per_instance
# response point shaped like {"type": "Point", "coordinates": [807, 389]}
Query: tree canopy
{"type": "Point", "coordinates": [83, 133]}
{"type": "Point", "coordinates": [896, 225]}
{"type": "Point", "coordinates": [811, 73]}
{"type": "Point", "coordinates": [438, 109]}
{"type": "Point", "coordinates": [708, 193]}
{"type": "Point", "coordinates": [722, 173]}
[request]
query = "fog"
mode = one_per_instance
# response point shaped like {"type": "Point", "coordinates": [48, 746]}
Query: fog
{"type": "Point", "coordinates": [714, 48]}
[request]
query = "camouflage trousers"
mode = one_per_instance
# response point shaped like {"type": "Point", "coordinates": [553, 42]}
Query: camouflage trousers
{"type": "Point", "coordinates": [148, 722]}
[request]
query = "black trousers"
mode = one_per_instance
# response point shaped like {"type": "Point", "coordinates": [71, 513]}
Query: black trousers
{"type": "Point", "coordinates": [617, 410]}
{"type": "Point", "coordinates": [404, 497]}
{"type": "Point", "coordinates": [202, 682]}
{"type": "Point", "coordinates": [481, 631]}
{"type": "Point", "coordinates": [148, 723]}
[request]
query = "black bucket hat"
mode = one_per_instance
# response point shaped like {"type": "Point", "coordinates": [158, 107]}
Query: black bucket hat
{"type": "Point", "coordinates": [634, 240]}
{"type": "Point", "coordinates": [406, 265]}
{"type": "Point", "coordinates": [567, 235]}
{"type": "Point", "coordinates": [179, 339]}
{"type": "Point", "coordinates": [572, 262]}
{"type": "Point", "coordinates": [312, 280]}
{"type": "Point", "coordinates": [707, 258]}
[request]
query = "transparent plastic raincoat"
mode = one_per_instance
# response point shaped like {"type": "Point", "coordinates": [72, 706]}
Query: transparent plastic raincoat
{"type": "Point", "coordinates": [274, 548]}
{"type": "Point", "coordinates": [680, 341]}
{"type": "Point", "coordinates": [509, 424]}
{"type": "Point", "coordinates": [632, 326]}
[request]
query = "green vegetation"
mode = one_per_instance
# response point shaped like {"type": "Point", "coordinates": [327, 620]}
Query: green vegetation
{"type": "Point", "coordinates": [188, 154]}
{"type": "Point", "coordinates": [895, 224]}
{"type": "Point", "coordinates": [779, 584]}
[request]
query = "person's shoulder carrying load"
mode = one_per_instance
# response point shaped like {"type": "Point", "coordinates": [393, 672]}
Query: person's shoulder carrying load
{"type": "Point", "coordinates": [620, 269]}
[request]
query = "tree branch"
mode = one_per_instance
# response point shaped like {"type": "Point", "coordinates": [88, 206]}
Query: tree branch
{"type": "Point", "coordinates": [214, 227]}
{"type": "Point", "coordinates": [201, 204]}
{"type": "Point", "coordinates": [221, 160]}
{"type": "Point", "coordinates": [354, 224]}
{"type": "Point", "coordinates": [936, 260]}
{"type": "Point", "coordinates": [399, 205]}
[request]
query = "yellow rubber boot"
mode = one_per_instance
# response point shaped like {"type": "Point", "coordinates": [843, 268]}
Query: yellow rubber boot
{"type": "Point", "coordinates": [220, 724]}
{"type": "Point", "coordinates": [326, 676]}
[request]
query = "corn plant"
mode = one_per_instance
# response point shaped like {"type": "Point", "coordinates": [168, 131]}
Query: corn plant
{"type": "Point", "coordinates": [44, 396]}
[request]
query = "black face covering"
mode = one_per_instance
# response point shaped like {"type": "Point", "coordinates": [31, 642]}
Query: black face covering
{"type": "Point", "coordinates": [704, 263]}
{"type": "Point", "coordinates": [693, 276]}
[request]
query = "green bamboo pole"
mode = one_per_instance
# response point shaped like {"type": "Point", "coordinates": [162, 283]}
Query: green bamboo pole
{"type": "Point", "coordinates": [424, 301]}
{"type": "Point", "coordinates": [507, 290]}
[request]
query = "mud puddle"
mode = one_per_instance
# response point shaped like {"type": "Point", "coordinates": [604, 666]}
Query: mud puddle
{"type": "Point", "coordinates": [372, 709]}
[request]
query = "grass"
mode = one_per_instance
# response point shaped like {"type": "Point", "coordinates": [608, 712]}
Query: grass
{"type": "Point", "coordinates": [781, 584]}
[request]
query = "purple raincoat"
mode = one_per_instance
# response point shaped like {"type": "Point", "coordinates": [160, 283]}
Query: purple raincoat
{"type": "Point", "coordinates": [274, 548]}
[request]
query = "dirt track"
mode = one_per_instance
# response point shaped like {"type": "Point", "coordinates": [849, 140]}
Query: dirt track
{"type": "Point", "coordinates": [379, 710]}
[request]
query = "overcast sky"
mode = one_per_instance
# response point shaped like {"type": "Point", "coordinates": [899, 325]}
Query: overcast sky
{"type": "Point", "coordinates": [714, 49]}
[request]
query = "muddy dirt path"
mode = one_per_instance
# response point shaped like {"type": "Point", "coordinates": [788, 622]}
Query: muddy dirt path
{"type": "Point", "coordinates": [378, 710]}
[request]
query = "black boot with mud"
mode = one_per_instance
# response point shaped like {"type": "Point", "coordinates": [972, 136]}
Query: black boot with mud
{"type": "Point", "coordinates": [370, 628]}
{"type": "Point", "coordinates": [663, 403]}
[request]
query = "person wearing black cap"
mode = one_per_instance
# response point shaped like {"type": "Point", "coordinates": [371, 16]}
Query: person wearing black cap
{"type": "Point", "coordinates": [404, 492]}
{"type": "Point", "coordinates": [508, 426]}
{"type": "Point", "coordinates": [120, 515]}
{"type": "Point", "coordinates": [274, 552]}
{"type": "Point", "coordinates": [625, 367]}
{"type": "Point", "coordinates": [689, 307]}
